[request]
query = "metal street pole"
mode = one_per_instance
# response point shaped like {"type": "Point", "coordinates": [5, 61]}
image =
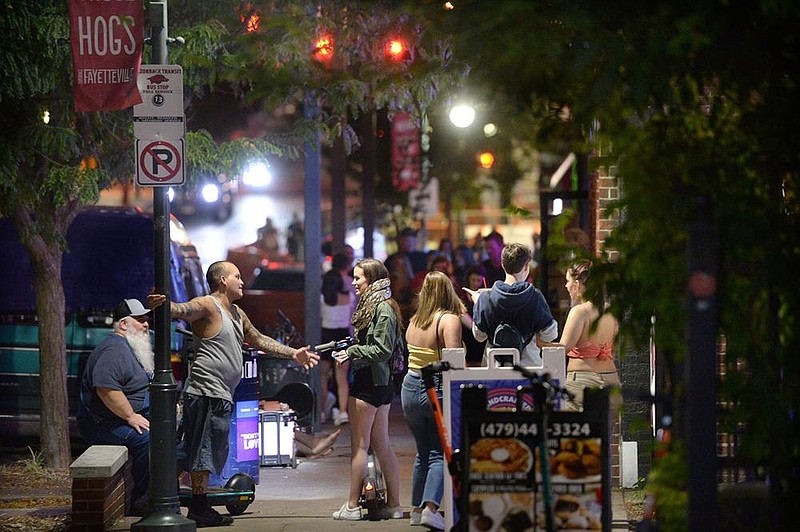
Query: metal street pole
{"type": "Point", "coordinates": [163, 489]}
{"type": "Point", "coordinates": [368, 121]}
{"type": "Point", "coordinates": [312, 243]}
{"type": "Point", "coordinates": [700, 375]}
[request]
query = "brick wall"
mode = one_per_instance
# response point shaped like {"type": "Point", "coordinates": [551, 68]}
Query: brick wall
{"type": "Point", "coordinates": [633, 366]}
{"type": "Point", "coordinates": [606, 190]}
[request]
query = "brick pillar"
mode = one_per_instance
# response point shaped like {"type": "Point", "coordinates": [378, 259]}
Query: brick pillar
{"type": "Point", "coordinates": [99, 488]}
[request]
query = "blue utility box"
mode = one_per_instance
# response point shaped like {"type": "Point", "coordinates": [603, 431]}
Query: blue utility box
{"type": "Point", "coordinates": [243, 453]}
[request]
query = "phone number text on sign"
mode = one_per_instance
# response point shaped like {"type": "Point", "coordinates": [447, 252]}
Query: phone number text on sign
{"type": "Point", "coordinates": [508, 430]}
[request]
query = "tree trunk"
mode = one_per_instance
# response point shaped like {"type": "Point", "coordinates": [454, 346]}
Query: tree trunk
{"type": "Point", "coordinates": [51, 307]}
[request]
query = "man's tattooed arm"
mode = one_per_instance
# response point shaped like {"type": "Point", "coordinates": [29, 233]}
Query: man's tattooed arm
{"type": "Point", "coordinates": [190, 311]}
{"type": "Point", "coordinates": [260, 341]}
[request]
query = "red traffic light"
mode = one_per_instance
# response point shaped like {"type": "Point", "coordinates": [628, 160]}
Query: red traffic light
{"type": "Point", "coordinates": [323, 49]}
{"type": "Point", "coordinates": [252, 23]}
{"type": "Point", "coordinates": [486, 159]}
{"type": "Point", "coordinates": [396, 50]}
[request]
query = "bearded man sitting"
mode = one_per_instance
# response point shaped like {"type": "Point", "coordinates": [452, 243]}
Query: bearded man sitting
{"type": "Point", "coordinates": [114, 407]}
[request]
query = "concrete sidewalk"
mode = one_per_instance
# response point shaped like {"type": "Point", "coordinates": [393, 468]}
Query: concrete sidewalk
{"type": "Point", "coordinates": [303, 499]}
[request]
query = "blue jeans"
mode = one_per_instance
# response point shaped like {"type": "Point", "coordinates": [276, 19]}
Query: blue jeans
{"type": "Point", "coordinates": [427, 481]}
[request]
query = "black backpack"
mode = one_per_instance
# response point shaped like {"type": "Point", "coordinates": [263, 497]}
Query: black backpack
{"type": "Point", "coordinates": [398, 361]}
{"type": "Point", "coordinates": [507, 335]}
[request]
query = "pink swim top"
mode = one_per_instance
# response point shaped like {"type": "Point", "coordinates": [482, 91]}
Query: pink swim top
{"type": "Point", "coordinates": [589, 349]}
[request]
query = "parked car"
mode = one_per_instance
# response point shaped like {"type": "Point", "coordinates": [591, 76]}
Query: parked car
{"type": "Point", "coordinates": [209, 194]}
{"type": "Point", "coordinates": [109, 257]}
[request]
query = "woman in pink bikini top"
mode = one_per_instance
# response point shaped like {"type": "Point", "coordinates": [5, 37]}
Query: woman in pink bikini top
{"type": "Point", "coordinates": [588, 337]}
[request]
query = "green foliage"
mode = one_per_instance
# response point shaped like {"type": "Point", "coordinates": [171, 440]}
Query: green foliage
{"type": "Point", "coordinates": [205, 155]}
{"type": "Point", "coordinates": [689, 127]}
{"type": "Point", "coordinates": [276, 63]}
{"type": "Point", "coordinates": [668, 483]}
{"type": "Point", "coordinates": [27, 25]}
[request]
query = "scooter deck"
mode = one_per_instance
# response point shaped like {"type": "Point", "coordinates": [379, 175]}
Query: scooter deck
{"type": "Point", "coordinates": [218, 496]}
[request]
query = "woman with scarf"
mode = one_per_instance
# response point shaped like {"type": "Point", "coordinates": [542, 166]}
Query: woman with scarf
{"type": "Point", "coordinates": [377, 325]}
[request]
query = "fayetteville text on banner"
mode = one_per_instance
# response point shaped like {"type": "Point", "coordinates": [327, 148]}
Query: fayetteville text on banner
{"type": "Point", "coordinates": [106, 40]}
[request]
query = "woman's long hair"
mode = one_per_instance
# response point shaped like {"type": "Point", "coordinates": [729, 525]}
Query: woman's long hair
{"type": "Point", "coordinates": [437, 294]}
{"type": "Point", "coordinates": [375, 270]}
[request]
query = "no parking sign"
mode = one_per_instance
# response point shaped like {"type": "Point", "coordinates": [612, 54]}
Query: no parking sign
{"type": "Point", "coordinates": [160, 162]}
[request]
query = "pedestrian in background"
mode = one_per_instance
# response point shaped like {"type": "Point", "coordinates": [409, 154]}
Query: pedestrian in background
{"type": "Point", "coordinates": [435, 325]}
{"type": "Point", "coordinates": [336, 309]}
{"type": "Point", "coordinates": [439, 263]}
{"type": "Point", "coordinates": [378, 325]}
{"type": "Point", "coordinates": [493, 265]}
{"type": "Point", "coordinates": [219, 329]}
{"type": "Point", "coordinates": [474, 281]}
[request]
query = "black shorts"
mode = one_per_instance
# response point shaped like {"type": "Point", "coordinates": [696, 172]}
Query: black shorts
{"type": "Point", "coordinates": [362, 388]}
{"type": "Point", "coordinates": [206, 425]}
{"type": "Point", "coordinates": [332, 335]}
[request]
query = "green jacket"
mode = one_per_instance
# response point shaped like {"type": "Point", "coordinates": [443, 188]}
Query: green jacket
{"type": "Point", "coordinates": [375, 344]}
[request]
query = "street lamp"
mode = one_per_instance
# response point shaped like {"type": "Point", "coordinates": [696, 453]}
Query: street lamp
{"type": "Point", "coordinates": [462, 115]}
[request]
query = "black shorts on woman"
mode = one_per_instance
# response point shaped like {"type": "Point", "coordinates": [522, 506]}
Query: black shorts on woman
{"type": "Point", "coordinates": [364, 389]}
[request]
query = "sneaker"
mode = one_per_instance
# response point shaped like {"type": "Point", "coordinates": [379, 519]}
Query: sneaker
{"type": "Point", "coordinates": [392, 513]}
{"type": "Point", "coordinates": [341, 418]}
{"type": "Point", "coordinates": [329, 402]}
{"type": "Point", "coordinates": [210, 517]}
{"type": "Point", "coordinates": [432, 520]}
{"type": "Point", "coordinates": [345, 513]}
{"type": "Point", "coordinates": [416, 518]}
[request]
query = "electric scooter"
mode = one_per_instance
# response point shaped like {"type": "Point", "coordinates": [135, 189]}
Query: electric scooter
{"type": "Point", "coordinates": [373, 492]}
{"type": "Point", "coordinates": [235, 496]}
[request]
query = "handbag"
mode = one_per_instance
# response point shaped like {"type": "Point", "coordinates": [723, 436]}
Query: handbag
{"type": "Point", "coordinates": [398, 360]}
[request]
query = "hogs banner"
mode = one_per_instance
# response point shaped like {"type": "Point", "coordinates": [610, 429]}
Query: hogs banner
{"type": "Point", "coordinates": [106, 40]}
{"type": "Point", "coordinates": [406, 153]}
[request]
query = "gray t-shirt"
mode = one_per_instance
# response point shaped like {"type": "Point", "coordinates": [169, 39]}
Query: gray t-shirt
{"type": "Point", "coordinates": [217, 367]}
{"type": "Point", "coordinates": [113, 365]}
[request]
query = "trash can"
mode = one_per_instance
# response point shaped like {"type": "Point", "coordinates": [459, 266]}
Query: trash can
{"type": "Point", "coordinates": [243, 452]}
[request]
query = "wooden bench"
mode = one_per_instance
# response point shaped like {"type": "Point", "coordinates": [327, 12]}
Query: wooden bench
{"type": "Point", "coordinates": [101, 487]}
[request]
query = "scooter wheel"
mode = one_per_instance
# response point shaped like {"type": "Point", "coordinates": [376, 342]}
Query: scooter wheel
{"type": "Point", "coordinates": [373, 510]}
{"type": "Point", "coordinates": [240, 482]}
{"type": "Point", "coordinates": [237, 509]}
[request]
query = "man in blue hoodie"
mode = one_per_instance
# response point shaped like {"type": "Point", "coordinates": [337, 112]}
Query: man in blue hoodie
{"type": "Point", "coordinates": [516, 302]}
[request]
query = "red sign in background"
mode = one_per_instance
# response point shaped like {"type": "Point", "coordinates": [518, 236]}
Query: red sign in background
{"type": "Point", "coordinates": [406, 153]}
{"type": "Point", "coordinates": [106, 40]}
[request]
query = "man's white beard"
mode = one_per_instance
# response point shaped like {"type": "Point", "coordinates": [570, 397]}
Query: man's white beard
{"type": "Point", "coordinates": [140, 343]}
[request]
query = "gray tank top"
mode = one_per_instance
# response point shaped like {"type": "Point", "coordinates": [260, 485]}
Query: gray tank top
{"type": "Point", "coordinates": [217, 367]}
